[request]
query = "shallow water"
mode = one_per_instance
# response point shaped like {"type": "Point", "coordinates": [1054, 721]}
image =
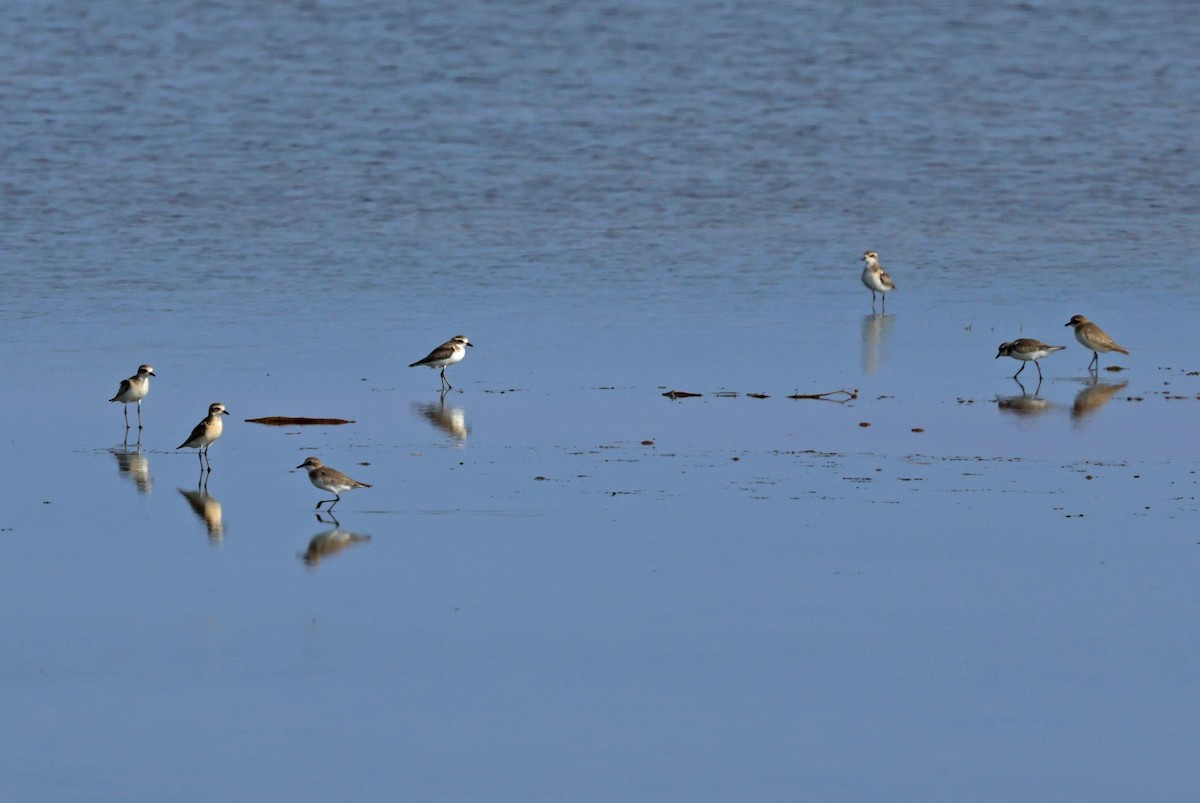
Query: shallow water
{"type": "Point", "coordinates": [563, 584]}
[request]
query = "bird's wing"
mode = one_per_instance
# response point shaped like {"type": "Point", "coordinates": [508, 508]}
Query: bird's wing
{"type": "Point", "coordinates": [197, 431]}
{"type": "Point", "coordinates": [440, 353]}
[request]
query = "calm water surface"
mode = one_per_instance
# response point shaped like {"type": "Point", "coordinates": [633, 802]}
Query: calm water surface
{"type": "Point", "coordinates": [563, 585]}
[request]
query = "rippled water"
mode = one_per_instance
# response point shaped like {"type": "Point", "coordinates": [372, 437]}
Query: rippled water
{"type": "Point", "coordinates": [563, 585]}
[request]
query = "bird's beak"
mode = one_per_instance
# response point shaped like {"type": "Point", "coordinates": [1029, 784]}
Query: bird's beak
{"type": "Point", "coordinates": [472, 345]}
{"type": "Point", "coordinates": [152, 373]}
{"type": "Point", "coordinates": [997, 356]}
{"type": "Point", "coordinates": [1068, 323]}
{"type": "Point", "coordinates": [300, 466]}
{"type": "Point", "coordinates": [224, 412]}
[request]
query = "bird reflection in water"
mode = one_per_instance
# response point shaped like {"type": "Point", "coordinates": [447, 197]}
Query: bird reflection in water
{"type": "Point", "coordinates": [330, 542]}
{"type": "Point", "coordinates": [206, 506]}
{"type": "Point", "coordinates": [1094, 395]}
{"type": "Point", "coordinates": [451, 420]}
{"type": "Point", "coordinates": [874, 341]}
{"type": "Point", "coordinates": [1026, 404]}
{"type": "Point", "coordinates": [134, 465]}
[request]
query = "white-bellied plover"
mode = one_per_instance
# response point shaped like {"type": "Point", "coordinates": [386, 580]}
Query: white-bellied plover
{"type": "Point", "coordinates": [876, 278]}
{"type": "Point", "coordinates": [1026, 349]}
{"type": "Point", "coordinates": [328, 479]}
{"type": "Point", "coordinates": [205, 433]}
{"type": "Point", "coordinates": [134, 389]}
{"type": "Point", "coordinates": [445, 355]}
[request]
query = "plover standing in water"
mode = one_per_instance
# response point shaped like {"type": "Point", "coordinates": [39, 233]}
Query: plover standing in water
{"type": "Point", "coordinates": [134, 389]}
{"type": "Point", "coordinates": [205, 433]}
{"type": "Point", "coordinates": [1094, 338]}
{"type": "Point", "coordinates": [876, 278]}
{"type": "Point", "coordinates": [328, 479]}
{"type": "Point", "coordinates": [445, 355]}
{"type": "Point", "coordinates": [1026, 349]}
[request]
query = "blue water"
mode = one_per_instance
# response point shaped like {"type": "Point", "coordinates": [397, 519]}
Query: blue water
{"type": "Point", "coordinates": [563, 585]}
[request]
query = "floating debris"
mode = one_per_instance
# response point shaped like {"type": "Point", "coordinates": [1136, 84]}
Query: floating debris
{"type": "Point", "coordinates": [285, 421]}
{"type": "Point", "coordinates": [681, 394]}
{"type": "Point", "coordinates": [846, 395]}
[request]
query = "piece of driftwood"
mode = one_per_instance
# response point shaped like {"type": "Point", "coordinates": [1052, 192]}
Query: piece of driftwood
{"type": "Point", "coordinates": [287, 420]}
{"type": "Point", "coordinates": [846, 395]}
{"type": "Point", "coordinates": [680, 394]}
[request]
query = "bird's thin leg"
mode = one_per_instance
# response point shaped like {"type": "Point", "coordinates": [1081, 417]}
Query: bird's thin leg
{"type": "Point", "coordinates": [139, 414]}
{"type": "Point", "coordinates": [208, 457]}
{"type": "Point", "coordinates": [126, 408]}
{"type": "Point", "coordinates": [336, 498]}
{"type": "Point", "coordinates": [883, 305]}
{"type": "Point", "coordinates": [1019, 370]}
{"type": "Point", "coordinates": [323, 501]}
{"type": "Point", "coordinates": [1039, 367]}
{"type": "Point", "coordinates": [1094, 365]}
{"type": "Point", "coordinates": [446, 381]}
{"type": "Point", "coordinates": [200, 457]}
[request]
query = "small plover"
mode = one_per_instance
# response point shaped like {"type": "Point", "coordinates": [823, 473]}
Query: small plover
{"type": "Point", "coordinates": [445, 355]}
{"type": "Point", "coordinates": [205, 433]}
{"type": "Point", "coordinates": [328, 479]}
{"type": "Point", "coordinates": [134, 389]}
{"type": "Point", "coordinates": [876, 278]}
{"type": "Point", "coordinates": [1026, 349]}
{"type": "Point", "coordinates": [1094, 338]}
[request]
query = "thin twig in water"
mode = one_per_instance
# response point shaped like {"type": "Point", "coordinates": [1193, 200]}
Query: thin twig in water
{"type": "Point", "coordinates": [846, 395]}
{"type": "Point", "coordinates": [287, 420]}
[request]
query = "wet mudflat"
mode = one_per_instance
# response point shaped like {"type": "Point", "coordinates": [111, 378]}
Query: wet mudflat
{"type": "Point", "coordinates": [605, 576]}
